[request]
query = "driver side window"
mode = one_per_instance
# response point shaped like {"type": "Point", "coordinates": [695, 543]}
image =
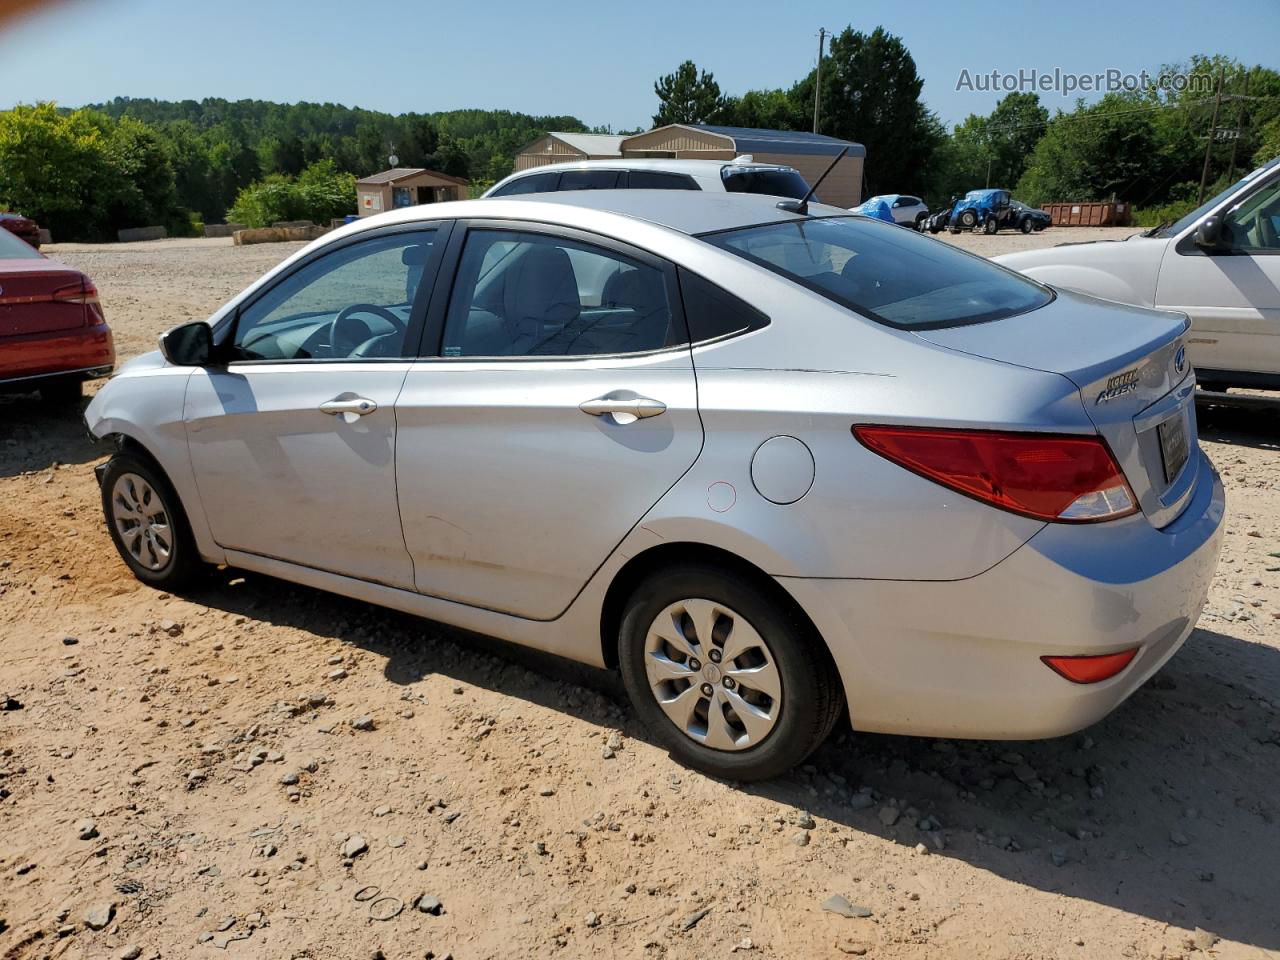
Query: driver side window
{"type": "Point", "coordinates": [1254, 225]}
{"type": "Point", "coordinates": [352, 304]}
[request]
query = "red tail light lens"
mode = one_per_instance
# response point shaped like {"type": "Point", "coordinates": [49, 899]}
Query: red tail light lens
{"type": "Point", "coordinates": [84, 292]}
{"type": "Point", "coordinates": [1090, 669]}
{"type": "Point", "coordinates": [1056, 477]}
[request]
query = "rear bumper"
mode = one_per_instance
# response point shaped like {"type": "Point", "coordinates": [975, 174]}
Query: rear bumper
{"type": "Point", "coordinates": [962, 658]}
{"type": "Point", "coordinates": [86, 351]}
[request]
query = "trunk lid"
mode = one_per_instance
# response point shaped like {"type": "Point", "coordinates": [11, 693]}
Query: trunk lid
{"type": "Point", "coordinates": [1135, 383]}
{"type": "Point", "coordinates": [27, 297]}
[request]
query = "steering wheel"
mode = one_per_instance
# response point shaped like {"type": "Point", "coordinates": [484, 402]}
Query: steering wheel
{"type": "Point", "coordinates": [346, 333]}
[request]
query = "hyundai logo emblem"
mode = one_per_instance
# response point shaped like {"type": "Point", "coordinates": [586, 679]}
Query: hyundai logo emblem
{"type": "Point", "coordinates": [1180, 360]}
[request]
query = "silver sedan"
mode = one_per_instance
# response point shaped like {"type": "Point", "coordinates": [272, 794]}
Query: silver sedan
{"type": "Point", "coordinates": [775, 465]}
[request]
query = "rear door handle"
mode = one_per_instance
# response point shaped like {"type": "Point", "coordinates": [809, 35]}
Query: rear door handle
{"type": "Point", "coordinates": [350, 409]}
{"type": "Point", "coordinates": [623, 409]}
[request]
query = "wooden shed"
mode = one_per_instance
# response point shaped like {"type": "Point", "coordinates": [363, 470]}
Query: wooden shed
{"type": "Point", "coordinates": [564, 147]}
{"type": "Point", "coordinates": [406, 187]}
{"type": "Point", "coordinates": [810, 153]}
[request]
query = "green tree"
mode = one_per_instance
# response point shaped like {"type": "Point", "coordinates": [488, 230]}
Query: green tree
{"type": "Point", "coordinates": [319, 193]}
{"type": "Point", "coordinates": [871, 94]}
{"type": "Point", "coordinates": [688, 96]}
{"type": "Point", "coordinates": [766, 110]}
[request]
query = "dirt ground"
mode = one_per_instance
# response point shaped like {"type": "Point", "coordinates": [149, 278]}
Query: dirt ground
{"type": "Point", "coordinates": [180, 776]}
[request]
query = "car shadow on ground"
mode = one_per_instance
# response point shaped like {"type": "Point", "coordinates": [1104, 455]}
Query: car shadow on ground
{"type": "Point", "coordinates": [37, 435]}
{"type": "Point", "coordinates": [1166, 809]}
{"type": "Point", "coordinates": [1245, 426]}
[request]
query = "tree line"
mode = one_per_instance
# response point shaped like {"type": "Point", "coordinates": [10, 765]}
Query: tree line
{"type": "Point", "coordinates": [1144, 146]}
{"type": "Point", "coordinates": [87, 172]}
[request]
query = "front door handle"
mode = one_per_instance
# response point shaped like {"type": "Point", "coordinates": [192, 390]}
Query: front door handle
{"type": "Point", "coordinates": [350, 408]}
{"type": "Point", "coordinates": [627, 409]}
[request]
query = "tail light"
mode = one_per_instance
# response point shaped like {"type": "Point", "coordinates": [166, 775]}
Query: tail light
{"type": "Point", "coordinates": [83, 292]}
{"type": "Point", "coordinates": [1090, 669]}
{"type": "Point", "coordinates": [1054, 477]}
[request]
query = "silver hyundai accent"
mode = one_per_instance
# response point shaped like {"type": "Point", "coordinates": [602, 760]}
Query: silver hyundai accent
{"type": "Point", "coordinates": [774, 463]}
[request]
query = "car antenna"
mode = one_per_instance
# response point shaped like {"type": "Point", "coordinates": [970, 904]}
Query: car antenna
{"type": "Point", "coordinates": [802, 206]}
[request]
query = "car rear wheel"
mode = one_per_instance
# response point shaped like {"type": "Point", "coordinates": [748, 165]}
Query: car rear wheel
{"type": "Point", "coordinates": [728, 680]}
{"type": "Point", "coordinates": [147, 523]}
{"type": "Point", "coordinates": [968, 219]}
{"type": "Point", "coordinates": [1026, 226]}
{"type": "Point", "coordinates": [63, 390]}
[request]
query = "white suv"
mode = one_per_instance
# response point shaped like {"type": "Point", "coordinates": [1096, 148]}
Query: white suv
{"type": "Point", "coordinates": [742, 175]}
{"type": "Point", "coordinates": [907, 211]}
{"type": "Point", "coordinates": [1220, 264]}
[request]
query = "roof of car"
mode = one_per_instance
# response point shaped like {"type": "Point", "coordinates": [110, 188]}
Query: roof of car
{"type": "Point", "coordinates": [685, 211]}
{"type": "Point", "coordinates": [706, 168]}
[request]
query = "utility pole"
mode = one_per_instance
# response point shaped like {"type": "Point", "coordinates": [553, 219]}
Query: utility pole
{"type": "Point", "coordinates": [1208, 145]}
{"type": "Point", "coordinates": [817, 82]}
{"type": "Point", "coordinates": [1231, 172]}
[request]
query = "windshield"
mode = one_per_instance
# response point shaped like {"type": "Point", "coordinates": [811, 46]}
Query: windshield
{"type": "Point", "coordinates": [1178, 226]}
{"type": "Point", "coordinates": [895, 276]}
{"type": "Point", "coordinates": [11, 248]}
{"type": "Point", "coordinates": [771, 181]}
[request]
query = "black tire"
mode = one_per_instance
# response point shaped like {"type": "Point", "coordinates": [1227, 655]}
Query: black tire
{"type": "Point", "coordinates": [954, 229]}
{"type": "Point", "coordinates": [921, 218]}
{"type": "Point", "coordinates": [1025, 225]}
{"type": "Point", "coordinates": [990, 227]}
{"type": "Point", "coordinates": [811, 698]}
{"type": "Point", "coordinates": [62, 390]}
{"type": "Point", "coordinates": [183, 564]}
{"type": "Point", "coordinates": [968, 218]}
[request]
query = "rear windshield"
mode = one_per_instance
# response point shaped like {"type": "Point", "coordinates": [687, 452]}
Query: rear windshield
{"type": "Point", "coordinates": [11, 248]}
{"type": "Point", "coordinates": [889, 274]}
{"type": "Point", "coordinates": [772, 183]}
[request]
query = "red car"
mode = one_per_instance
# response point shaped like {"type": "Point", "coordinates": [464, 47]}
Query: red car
{"type": "Point", "coordinates": [53, 335]}
{"type": "Point", "coordinates": [23, 227]}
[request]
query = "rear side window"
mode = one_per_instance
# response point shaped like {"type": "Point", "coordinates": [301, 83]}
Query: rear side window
{"type": "Point", "coordinates": [771, 182]}
{"type": "Point", "coordinates": [897, 277]}
{"type": "Point", "coordinates": [534, 183]}
{"type": "Point", "coordinates": [656, 180]}
{"type": "Point", "coordinates": [713, 313]}
{"type": "Point", "coordinates": [588, 179]}
{"type": "Point", "coordinates": [11, 248]}
{"type": "Point", "coordinates": [536, 295]}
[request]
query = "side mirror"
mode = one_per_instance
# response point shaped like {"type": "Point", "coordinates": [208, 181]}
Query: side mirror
{"type": "Point", "coordinates": [188, 345]}
{"type": "Point", "coordinates": [1209, 234]}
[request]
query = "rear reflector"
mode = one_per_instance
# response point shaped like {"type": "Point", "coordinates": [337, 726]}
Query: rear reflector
{"type": "Point", "coordinates": [1064, 478]}
{"type": "Point", "coordinates": [1090, 669]}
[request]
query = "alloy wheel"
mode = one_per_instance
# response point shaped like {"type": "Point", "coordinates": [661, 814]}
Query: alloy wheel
{"type": "Point", "coordinates": [142, 521]}
{"type": "Point", "coordinates": [713, 675]}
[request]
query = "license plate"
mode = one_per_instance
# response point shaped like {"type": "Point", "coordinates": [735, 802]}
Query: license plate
{"type": "Point", "coordinates": [1173, 446]}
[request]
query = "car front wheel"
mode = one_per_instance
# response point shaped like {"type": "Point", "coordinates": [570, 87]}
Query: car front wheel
{"type": "Point", "coordinates": [726, 678]}
{"type": "Point", "coordinates": [147, 523]}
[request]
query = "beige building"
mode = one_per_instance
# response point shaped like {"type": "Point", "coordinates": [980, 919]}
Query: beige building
{"type": "Point", "coordinates": [406, 187]}
{"type": "Point", "coordinates": [810, 153]}
{"type": "Point", "coordinates": [563, 147]}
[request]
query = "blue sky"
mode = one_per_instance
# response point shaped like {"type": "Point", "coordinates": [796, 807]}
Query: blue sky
{"type": "Point", "coordinates": [595, 60]}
